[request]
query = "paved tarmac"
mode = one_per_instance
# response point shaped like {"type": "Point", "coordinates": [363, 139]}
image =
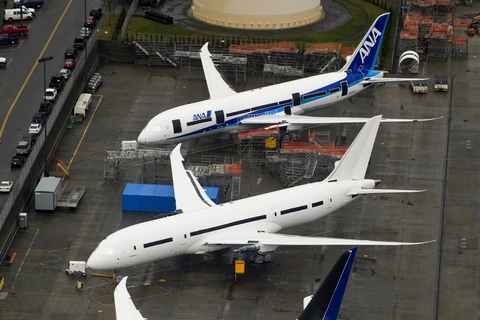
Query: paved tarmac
{"type": "Point", "coordinates": [21, 58]}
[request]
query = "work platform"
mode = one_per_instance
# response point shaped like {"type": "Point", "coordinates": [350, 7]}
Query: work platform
{"type": "Point", "coordinates": [71, 200]}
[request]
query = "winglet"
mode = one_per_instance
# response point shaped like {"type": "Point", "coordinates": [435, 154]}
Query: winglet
{"type": "Point", "coordinates": [217, 86]}
{"type": "Point", "coordinates": [354, 162]}
{"type": "Point", "coordinates": [124, 307]}
{"type": "Point", "coordinates": [326, 302]}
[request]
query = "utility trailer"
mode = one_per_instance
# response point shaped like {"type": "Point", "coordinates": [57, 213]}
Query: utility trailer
{"type": "Point", "coordinates": [419, 86]}
{"type": "Point", "coordinates": [75, 267]}
{"type": "Point", "coordinates": [441, 84]}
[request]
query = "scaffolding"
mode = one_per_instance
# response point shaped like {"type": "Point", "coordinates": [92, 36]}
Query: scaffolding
{"type": "Point", "coordinates": [217, 171]}
{"type": "Point", "coordinates": [153, 53]}
{"type": "Point", "coordinates": [460, 46]}
{"type": "Point", "coordinates": [439, 42]}
{"type": "Point", "coordinates": [188, 57]}
{"type": "Point", "coordinates": [460, 26]}
{"type": "Point", "coordinates": [300, 162]}
{"type": "Point", "coordinates": [323, 57]}
{"type": "Point", "coordinates": [143, 159]}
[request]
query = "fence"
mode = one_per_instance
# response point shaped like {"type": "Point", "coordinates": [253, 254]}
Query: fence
{"type": "Point", "coordinates": [37, 149]}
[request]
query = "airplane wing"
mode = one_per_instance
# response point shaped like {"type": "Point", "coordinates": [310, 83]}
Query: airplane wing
{"type": "Point", "coordinates": [294, 119]}
{"type": "Point", "coordinates": [124, 307]}
{"type": "Point", "coordinates": [385, 80]}
{"type": "Point", "coordinates": [217, 86]}
{"type": "Point", "coordinates": [275, 239]}
{"type": "Point", "coordinates": [380, 191]}
{"type": "Point", "coordinates": [189, 194]}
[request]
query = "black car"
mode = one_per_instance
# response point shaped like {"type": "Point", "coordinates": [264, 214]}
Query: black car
{"type": "Point", "coordinates": [96, 12]}
{"type": "Point", "coordinates": [46, 107]}
{"type": "Point", "coordinates": [28, 3]}
{"type": "Point", "coordinates": [17, 161]}
{"type": "Point", "coordinates": [8, 39]}
{"type": "Point", "coordinates": [158, 16]}
{"type": "Point", "coordinates": [39, 117]}
{"type": "Point", "coordinates": [57, 81]}
{"type": "Point", "coordinates": [32, 138]}
{"type": "Point", "coordinates": [71, 53]}
{"type": "Point", "coordinates": [79, 43]}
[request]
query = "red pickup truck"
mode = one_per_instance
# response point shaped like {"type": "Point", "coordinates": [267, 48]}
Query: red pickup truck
{"type": "Point", "coordinates": [10, 29]}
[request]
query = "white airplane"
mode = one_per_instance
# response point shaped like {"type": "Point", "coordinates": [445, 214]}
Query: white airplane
{"type": "Point", "coordinates": [201, 226]}
{"type": "Point", "coordinates": [280, 104]}
{"type": "Point", "coordinates": [324, 304]}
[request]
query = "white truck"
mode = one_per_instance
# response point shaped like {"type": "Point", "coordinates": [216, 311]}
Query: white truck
{"type": "Point", "coordinates": [75, 267]}
{"type": "Point", "coordinates": [17, 14]}
{"type": "Point", "coordinates": [82, 105]}
{"type": "Point", "coordinates": [440, 84]}
{"type": "Point", "coordinates": [419, 86]}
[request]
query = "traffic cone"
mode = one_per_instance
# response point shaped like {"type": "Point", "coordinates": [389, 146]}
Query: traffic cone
{"type": "Point", "coordinates": [13, 290]}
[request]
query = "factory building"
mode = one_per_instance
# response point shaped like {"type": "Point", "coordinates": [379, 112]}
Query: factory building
{"type": "Point", "coordinates": [257, 14]}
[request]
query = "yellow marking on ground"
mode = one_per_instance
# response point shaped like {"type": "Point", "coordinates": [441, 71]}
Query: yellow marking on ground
{"type": "Point", "coordinates": [7, 116]}
{"type": "Point", "coordinates": [84, 132]}
{"type": "Point", "coordinates": [64, 186]}
{"type": "Point", "coordinates": [43, 263]}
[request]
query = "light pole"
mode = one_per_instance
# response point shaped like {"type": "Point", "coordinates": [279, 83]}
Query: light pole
{"type": "Point", "coordinates": [44, 61]}
{"type": "Point", "coordinates": [85, 39]}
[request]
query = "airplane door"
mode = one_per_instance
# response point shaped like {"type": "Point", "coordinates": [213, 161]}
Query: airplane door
{"type": "Point", "coordinates": [296, 99]}
{"type": "Point", "coordinates": [344, 85]}
{"type": "Point", "coordinates": [183, 238]}
{"type": "Point", "coordinates": [177, 126]}
{"type": "Point", "coordinates": [220, 116]}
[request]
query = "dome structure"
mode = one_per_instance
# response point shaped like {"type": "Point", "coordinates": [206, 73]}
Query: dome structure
{"type": "Point", "coordinates": [257, 14]}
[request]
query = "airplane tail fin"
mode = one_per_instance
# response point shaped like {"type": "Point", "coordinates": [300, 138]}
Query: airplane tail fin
{"type": "Point", "coordinates": [325, 303]}
{"type": "Point", "coordinates": [353, 165]}
{"type": "Point", "coordinates": [365, 55]}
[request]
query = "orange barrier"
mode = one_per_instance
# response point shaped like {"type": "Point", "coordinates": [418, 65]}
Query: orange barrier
{"type": "Point", "coordinates": [305, 147]}
{"type": "Point", "coordinates": [260, 132]}
{"type": "Point", "coordinates": [346, 51]}
{"type": "Point", "coordinates": [460, 40]}
{"type": "Point", "coordinates": [233, 168]}
{"type": "Point", "coordinates": [250, 48]}
{"type": "Point", "coordinates": [323, 47]}
{"type": "Point", "coordinates": [12, 257]}
{"type": "Point", "coordinates": [461, 23]}
{"type": "Point", "coordinates": [440, 30]}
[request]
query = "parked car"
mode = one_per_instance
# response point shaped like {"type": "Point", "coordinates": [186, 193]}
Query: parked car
{"type": "Point", "coordinates": [90, 22]}
{"type": "Point", "coordinates": [3, 62]}
{"type": "Point", "coordinates": [71, 53]}
{"type": "Point", "coordinates": [79, 43]}
{"type": "Point", "coordinates": [46, 107]}
{"type": "Point", "coordinates": [39, 117]}
{"type": "Point", "coordinates": [65, 73]}
{"type": "Point", "coordinates": [8, 39]}
{"type": "Point", "coordinates": [35, 128]}
{"type": "Point", "coordinates": [158, 16]}
{"type": "Point", "coordinates": [17, 161]}
{"type": "Point", "coordinates": [50, 94]}
{"type": "Point", "coordinates": [17, 14]}
{"type": "Point", "coordinates": [28, 3]}
{"type": "Point", "coordinates": [57, 82]}
{"type": "Point", "coordinates": [23, 148]}
{"type": "Point", "coordinates": [11, 29]}
{"type": "Point", "coordinates": [6, 186]}
{"type": "Point", "coordinates": [85, 32]}
{"type": "Point", "coordinates": [96, 12]}
{"type": "Point", "coordinates": [32, 138]}
{"type": "Point", "coordinates": [31, 10]}
{"type": "Point", "coordinates": [69, 64]}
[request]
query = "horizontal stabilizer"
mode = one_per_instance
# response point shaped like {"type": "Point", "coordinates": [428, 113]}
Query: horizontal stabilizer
{"type": "Point", "coordinates": [275, 239]}
{"type": "Point", "coordinates": [385, 80]}
{"type": "Point", "coordinates": [294, 119]}
{"type": "Point", "coordinates": [380, 191]}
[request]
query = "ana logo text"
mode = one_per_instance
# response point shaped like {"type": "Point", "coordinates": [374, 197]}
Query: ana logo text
{"type": "Point", "coordinates": [202, 115]}
{"type": "Point", "coordinates": [369, 43]}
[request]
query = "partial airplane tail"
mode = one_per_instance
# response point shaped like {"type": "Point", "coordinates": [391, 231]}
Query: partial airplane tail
{"type": "Point", "coordinates": [365, 56]}
{"type": "Point", "coordinates": [325, 303]}
{"type": "Point", "coordinates": [353, 165]}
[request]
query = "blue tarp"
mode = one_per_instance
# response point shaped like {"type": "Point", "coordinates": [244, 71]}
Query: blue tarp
{"type": "Point", "coordinates": [155, 197]}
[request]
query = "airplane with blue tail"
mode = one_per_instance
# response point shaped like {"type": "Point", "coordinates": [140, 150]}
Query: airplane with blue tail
{"type": "Point", "coordinates": [277, 105]}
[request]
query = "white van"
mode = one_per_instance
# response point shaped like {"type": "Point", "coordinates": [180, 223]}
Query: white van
{"type": "Point", "coordinates": [82, 105]}
{"type": "Point", "coordinates": [17, 14]}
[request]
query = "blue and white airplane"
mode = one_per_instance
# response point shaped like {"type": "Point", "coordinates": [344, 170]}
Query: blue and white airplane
{"type": "Point", "coordinates": [324, 304]}
{"type": "Point", "coordinates": [281, 104]}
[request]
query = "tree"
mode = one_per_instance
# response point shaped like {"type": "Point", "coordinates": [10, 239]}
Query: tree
{"type": "Point", "coordinates": [109, 6]}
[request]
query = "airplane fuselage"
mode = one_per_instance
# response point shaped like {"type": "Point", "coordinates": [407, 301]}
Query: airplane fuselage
{"type": "Point", "coordinates": [186, 233]}
{"type": "Point", "coordinates": [225, 114]}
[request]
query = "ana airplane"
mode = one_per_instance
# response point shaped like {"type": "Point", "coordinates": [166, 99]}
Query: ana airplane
{"type": "Point", "coordinates": [201, 226]}
{"type": "Point", "coordinates": [324, 304]}
{"type": "Point", "coordinates": [280, 104]}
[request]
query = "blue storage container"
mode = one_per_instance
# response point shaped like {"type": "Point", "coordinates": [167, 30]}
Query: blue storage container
{"type": "Point", "coordinates": [130, 197]}
{"type": "Point", "coordinates": [155, 198]}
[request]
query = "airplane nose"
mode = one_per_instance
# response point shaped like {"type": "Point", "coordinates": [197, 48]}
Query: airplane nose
{"type": "Point", "coordinates": [102, 258]}
{"type": "Point", "coordinates": [142, 138]}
